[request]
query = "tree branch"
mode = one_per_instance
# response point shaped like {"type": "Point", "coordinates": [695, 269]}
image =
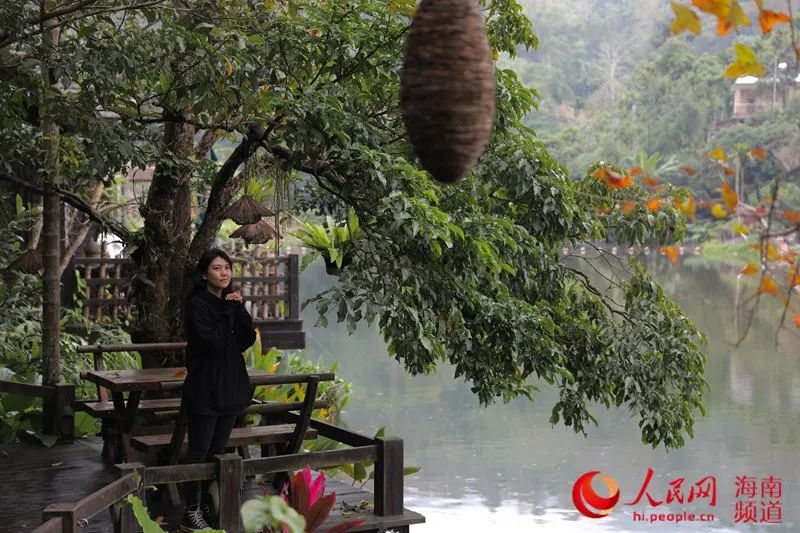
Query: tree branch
{"type": "Point", "coordinates": [75, 201]}
{"type": "Point", "coordinates": [584, 280]}
{"type": "Point", "coordinates": [225, 184]}
{"type": "Point", "coordinates": [8, 40]}
{"type": "Point", "coordinates": [77, 240]}
{"type": "Point", "coordinates": [65, 10]}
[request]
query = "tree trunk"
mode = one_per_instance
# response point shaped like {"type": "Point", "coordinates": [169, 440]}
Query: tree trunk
{"type": "Point", "coordinates": [162, 256]}
{"type": "Point", "coordinates": [225, 185]}
{"type": "Point", "coordinates": [167, 256]}
{"type": "Point", "coordinates": [51, 231]}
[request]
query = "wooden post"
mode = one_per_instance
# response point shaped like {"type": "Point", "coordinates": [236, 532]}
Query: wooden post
{"type": "Point", "coordinates": [66, 422]}
{"type": "Point", "coordinates": [389, 477]}
{"type": "Point", "coordinates": [127, 520]}
{"type": "Point", "coordinates": [294, 287]}
{"type": "Point", "coordinates": [64, 511]}
{"type": "Point", "coordinates": [58, 415]}
{"type": "Point", "coordinates": [229, 476]}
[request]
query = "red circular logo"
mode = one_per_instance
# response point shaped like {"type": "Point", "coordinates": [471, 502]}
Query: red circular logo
{"type": "Point", "coordinates": [588, 502]}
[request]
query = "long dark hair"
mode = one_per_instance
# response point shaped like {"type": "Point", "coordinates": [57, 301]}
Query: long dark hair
{"type": "Point", "coordinates": [199, 284]}
{"type": "Point", "coordinates": [202, 266]}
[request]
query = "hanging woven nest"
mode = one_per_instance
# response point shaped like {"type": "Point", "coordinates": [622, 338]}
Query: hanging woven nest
{"type": "Point", "coordinates": [257, 233]}
{"type": "Point", "coordinates": [246, 210]}
{"type": "Point", "coordinates": [447, 92]}
{"type": "Point", "coordinates": [30, 261]}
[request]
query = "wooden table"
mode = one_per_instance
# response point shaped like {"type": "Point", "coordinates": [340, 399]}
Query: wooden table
{"type": "Point", "coordinates": [135, 382]}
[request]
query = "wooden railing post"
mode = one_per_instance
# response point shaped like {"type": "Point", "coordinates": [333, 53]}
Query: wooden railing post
{"type": "Point", "coordinates": [58, 413]}
{"type": "Point", "coordinates": [389, 476]}
{"type": "Point", "coordinates": [229, 476]}
{"type": "Point", "coordinates": [127, 520]}
{"type": "Point", "coordinates": [294, 287]}
{"type": "Point", "coordinates": [64, 511]}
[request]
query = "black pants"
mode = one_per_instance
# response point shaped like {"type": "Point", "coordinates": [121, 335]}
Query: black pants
{"type": "Point", "coordinates": [208, 435]}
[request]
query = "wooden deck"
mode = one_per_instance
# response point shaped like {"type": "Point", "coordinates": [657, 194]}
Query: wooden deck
{"type": "Point", "coordinates": [34, 477]}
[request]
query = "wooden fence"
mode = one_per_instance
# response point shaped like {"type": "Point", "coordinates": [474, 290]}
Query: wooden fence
{"type": "Point", "coordinates": [58, 416]}
{"type": "Point", "coordinates": [229, 470]}
{"type": "Point", "coordinates": [270, 289]}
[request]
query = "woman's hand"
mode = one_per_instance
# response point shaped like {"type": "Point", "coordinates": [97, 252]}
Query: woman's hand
{"type": "Point", "coordinates": [235, 296]}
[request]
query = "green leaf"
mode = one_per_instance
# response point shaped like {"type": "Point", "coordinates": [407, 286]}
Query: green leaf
{"type": "Point", "coordinates": [359, 472]}
{"type": "Point", "coordinates": [47, 440]}
{"type": "Point", "coordinates": [142, 516]}
{"type": "Point", "coordinates": [407, 471]}
{"type": "Point", "coordinates": [271, 512]}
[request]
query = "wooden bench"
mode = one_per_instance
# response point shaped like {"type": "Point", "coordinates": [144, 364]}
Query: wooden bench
{"type": "Point", "coordinates": [103, 408]}
{"type": "Point", "coordinates": [119, 416]}
{"type": "Point", "coordinates": [274, 434]}
{"type": "Point", "coordinates": [241, 436]}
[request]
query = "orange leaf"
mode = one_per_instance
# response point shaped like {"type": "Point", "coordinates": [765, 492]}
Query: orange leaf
{"type": "Point", "coordinates": [792, 216]}
{"type": "Point", "coordinates": [179, 374]}
{"type": "Point", "coordinates": [768, 286]}
{"type": "Point", "coordinates": [689, 171]}
{"type": "Point", "coordinates": [717, 153]}
{"type": "Point", "coordinates": [759, 152]}
{"type": "Point", "coordinates": [797, 321]}
{"type": "Point", "coordinates": [718, 211]}
{"type": "Point", "coordinates": [651, 182]}
{"type": "Point", "coordinates": [685, 19]}
{"type": "Point", "coordinates": [746, 63]}
{"type": "Point", "coordinates": [628, 208]}
{"type": "Point", "coordinates": [772, 252]}
{"type": "Point", "coordinates": [653, 204]}
{"type": "Point", "coordinates": [635, 171]}
{"type": "Point", "coordinates": [671, 252]}
{"type": "Point", "coordinates": [736, 17]}
{"type": "Point", "coordinates": [720, 8]}
{"type": "Point", "coordinates": [688, 208]}
{"type": "Point", "coordinates": [794, 278]}
{"type": "Point", "coordinates": [749, 269]}
{"type": "Point", "coordinates": [728, 171]}
{"type": "Point", "coordinates": [789, 257]}
{"type": "Point", "coordinates": [613, 179]}
{"type": "Point", "coordinates": [729, 196]}
{"type": "Point", "coordinates": [767, 19]}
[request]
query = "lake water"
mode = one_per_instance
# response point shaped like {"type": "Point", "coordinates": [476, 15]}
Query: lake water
{"type": "Point", "coordinates": [505, 468]}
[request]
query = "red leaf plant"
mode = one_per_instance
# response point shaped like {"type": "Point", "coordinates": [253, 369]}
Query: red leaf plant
{"type": "Point", "coordinates": [306, 496]}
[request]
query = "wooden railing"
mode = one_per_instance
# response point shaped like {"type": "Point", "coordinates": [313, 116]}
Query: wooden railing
{"type": "Point", "coordinates": [229, 470]}
{"type": "Point", "coordinates": [270, 290]}
{"type": "Point", "coordinates": [58, 417]}
{"type": "Point", "coordinates": [270, 286]}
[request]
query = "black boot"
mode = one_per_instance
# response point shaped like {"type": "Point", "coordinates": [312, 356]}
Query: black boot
{"type": "Point", "coordinates": [193, 520]}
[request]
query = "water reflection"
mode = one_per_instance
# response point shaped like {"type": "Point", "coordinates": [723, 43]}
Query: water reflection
{"type": "Point", "coordinates": [505, 467]}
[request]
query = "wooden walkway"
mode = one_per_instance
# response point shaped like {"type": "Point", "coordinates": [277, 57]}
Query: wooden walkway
{"type": "Point", "coordinates": [32, 477]}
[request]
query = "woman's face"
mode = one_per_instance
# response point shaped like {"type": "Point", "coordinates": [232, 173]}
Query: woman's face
{"type": "Point", "coordinates": [218, 274]}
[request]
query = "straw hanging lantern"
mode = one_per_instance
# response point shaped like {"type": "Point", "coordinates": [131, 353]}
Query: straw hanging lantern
{"type": "Point", "coordinates": [30, 261]}
{"type": "Point", "coordinates": [257, 233]}
{"type": "Point", "coordinates": [246, 210]}
{"type": "Point", "coordinates": [447, 92]}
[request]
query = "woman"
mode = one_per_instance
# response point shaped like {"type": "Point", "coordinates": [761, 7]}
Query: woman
{"type": "Point", "coordinates": [217, 388]}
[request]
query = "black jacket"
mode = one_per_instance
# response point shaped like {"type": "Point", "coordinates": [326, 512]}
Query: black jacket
{"type": "Point", "coordinates": [217, 332]}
